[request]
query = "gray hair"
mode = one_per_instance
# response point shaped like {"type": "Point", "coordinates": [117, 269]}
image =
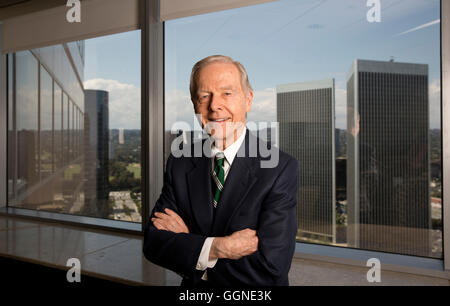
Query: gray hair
{"type": "Point", "coordinates": [245, 83]}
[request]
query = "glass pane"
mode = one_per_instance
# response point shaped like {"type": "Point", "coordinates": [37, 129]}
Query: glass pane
{"type": "Point", "coordinates": [58, 123]}
{"type": "Point", "coordinates": [65, 129]}
{"type": "Point", "coordinates": [46, 124]}
{"type": "Point", "coordinates": [26, 151]}
{"type": "Point", "coordinates": [11, 131]}
{"type": "Point", "coordinates": [355, 92]}
{"type": "Point", "coordinates": [68, 157]}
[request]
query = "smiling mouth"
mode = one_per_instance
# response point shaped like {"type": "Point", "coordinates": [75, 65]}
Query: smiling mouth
{"type": "Point", "coordinates": [219, 120]}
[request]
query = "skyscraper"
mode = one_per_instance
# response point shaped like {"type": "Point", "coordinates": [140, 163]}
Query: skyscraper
{"type": "Point", "coordinates": [45, 113]}
{"type": "Point", "coordinates": [388, 158]}
{"type": "Point", "coordinates": [305, 112]}
{"type": "Point", "coordinates": [96, 156]}
{"type": "Point", "coordinates": [121, 136]}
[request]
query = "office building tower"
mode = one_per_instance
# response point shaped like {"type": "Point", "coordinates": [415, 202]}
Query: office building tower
{"type": "Point", "coordinates": [96, 146]}
{"type": "Point", "coordinates": [305, 112]}
{"type": "Point", "coordinates": [388, 157]}
{"type": "Point", "coordinates": [269, 135]}
{"type": "Point", "coordinates": [121, 136]}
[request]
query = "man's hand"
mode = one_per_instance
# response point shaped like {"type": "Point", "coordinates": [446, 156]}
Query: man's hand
{"type": "Point", "coordinates": [235, 246]}
{"type": "Point", "coordinates": [169, 221]}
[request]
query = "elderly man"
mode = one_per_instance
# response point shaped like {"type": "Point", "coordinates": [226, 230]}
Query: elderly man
{"type": "Point", "coordinates": [221, 218]}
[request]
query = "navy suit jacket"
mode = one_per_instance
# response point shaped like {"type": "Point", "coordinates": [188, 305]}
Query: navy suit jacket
{"type": "Point", "coordinates": [263, 199]}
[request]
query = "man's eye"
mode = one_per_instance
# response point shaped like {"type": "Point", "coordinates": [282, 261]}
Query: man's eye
{"type": "Point", "coordinates": [228, 93]}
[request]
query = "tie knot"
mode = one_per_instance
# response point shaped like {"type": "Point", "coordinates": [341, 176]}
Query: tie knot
{"type": "Point", "coordinates": [220, 157]}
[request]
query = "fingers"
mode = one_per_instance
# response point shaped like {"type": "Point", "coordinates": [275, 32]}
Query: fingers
{"type": "Point", "coordinates": [242, 243]}
{"type": "Point", "coordinates": [169, 221]}
{"type": "Point", "coordinates": [246, 233]}
{"type": "Point", "coordinates": [250, 241]}
{"type": "Point", "coordinates": [254, 245]}
{"type": "Point", "coordinates": [159, 224]}
{"type": "Point", "coordinates": [250, 245]}
{"type": "Point", "coordinates": [175, 216]}
{"type": "Point", "coordinates": [166, 219]}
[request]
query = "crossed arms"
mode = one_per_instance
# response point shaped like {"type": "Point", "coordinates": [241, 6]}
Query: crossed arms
{"type": "Point", "coordinates": [234, 246]}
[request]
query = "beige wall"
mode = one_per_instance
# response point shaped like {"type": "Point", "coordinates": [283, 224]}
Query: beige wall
{"type": "Point", "coordinates": [172, 9]}
{"type": "Point", "coordinates": [49, 27]}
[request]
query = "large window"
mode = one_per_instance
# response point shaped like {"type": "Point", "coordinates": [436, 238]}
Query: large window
{"type": "Point", "coordinates": [74, 128]}
{"type": "Point", "coordinates": [356, 95]}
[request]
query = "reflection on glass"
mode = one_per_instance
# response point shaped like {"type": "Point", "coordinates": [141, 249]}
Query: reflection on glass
{"type": "Point", "coordinates": [65, 128]}
{"type": "Point", "coordinates": [57, 128]}
{"type": "Point", "coordinates": [46, 124]}
{"type": "Point", "coordinates": [64, 152]}
{"type": "Point", "coordinates": [357, 102]}
{"type": "Point", "coordinates": [27, 152]}
{"type": "Point", "coordinates": [11, 131]}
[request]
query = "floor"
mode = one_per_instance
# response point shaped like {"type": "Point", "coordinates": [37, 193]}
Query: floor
{"type": "Point", "coordinates": [119, 258]}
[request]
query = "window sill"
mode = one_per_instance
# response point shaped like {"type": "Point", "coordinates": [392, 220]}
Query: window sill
{"type": "Point", "coordinates": [75, 220]}
{"type": "Point", "coordinates": [356, 257]}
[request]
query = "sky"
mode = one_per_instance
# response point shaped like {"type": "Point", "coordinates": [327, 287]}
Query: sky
{"type": "Point", "coordinates": [113, 63]}
{"type": "Point", "coordinates": [285, 41]}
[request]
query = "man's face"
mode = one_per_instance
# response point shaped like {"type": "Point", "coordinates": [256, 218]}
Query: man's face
{"type": "Point", "coordinates": [221, 101]}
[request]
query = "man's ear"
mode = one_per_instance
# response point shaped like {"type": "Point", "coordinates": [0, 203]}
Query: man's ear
{"type": "Point", "coordinates": [249, 100]}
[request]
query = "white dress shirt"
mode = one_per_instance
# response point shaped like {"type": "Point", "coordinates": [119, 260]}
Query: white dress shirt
{"type": "Point", "coordinates": [230, 153]}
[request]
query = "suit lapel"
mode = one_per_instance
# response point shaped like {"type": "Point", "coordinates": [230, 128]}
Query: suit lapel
{"type": "Point", "coordinates": [200, 195]}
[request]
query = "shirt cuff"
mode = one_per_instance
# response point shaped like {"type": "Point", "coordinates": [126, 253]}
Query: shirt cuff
{"type": "Point", "coordinates": [203, 260]}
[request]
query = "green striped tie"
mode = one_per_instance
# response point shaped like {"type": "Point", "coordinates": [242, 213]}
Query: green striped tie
{"type": "Point", "coordinates": [219, 177]}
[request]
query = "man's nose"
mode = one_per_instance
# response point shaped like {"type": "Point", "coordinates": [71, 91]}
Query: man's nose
{"type": "Point", "coordinates": [215, 103]}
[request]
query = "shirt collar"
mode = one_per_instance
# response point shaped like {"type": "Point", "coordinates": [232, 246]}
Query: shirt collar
{"type": "Point", "coordinates": [231, 151]}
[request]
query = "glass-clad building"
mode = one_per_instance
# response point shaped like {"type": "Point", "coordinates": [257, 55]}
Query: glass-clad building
{"type": "Point", "coordinates": [305, 112]}
{"type": "Point", "coordinates": [69, 152]}
{"type": "Point", "coordinates": [388, 165]}
{"type": "Point", "coordinates": [46, 129]}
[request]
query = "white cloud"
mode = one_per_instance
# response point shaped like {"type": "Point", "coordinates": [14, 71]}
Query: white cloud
{"type": "Point", "coordinates": [178, 107]}
{"type": "Point", "coordinates": [124, 102]}
{"type": "Point", "coordinates": [264, 106]}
